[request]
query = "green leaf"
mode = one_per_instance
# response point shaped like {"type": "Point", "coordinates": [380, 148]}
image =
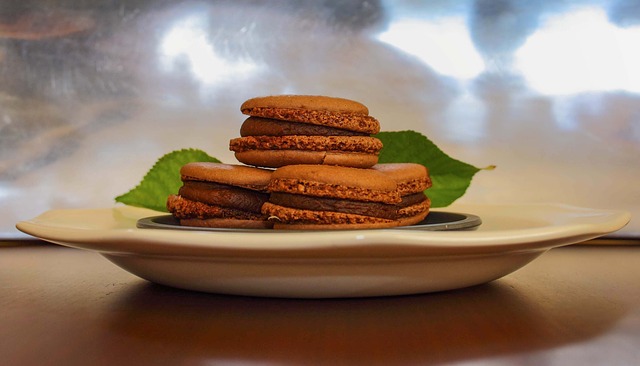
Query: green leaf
{"type": "Point", "coordinates": [162, 180]}
{"type": "Point", "coordinates": [450, 177]}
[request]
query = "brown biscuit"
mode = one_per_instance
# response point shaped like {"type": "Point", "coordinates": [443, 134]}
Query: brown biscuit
{"type": "Point", "coordinates": [300, 219]}
{"type": "Point", "coordinates": [279, 158]}
{"type": "Point", "coordinates": [331, 197]}
{"type": "Point", "coordinates": [412, 220]}
{"type": "Point", "coordinates": [340, 182]}
{"type": "Point", "coordinates": [310, 102]}
{"type": "Point", "coordinates": [286, 218]}
{"type": "Point", "coordinates": [295, 217]}
{"type": "Point", "coordinates": [221, 195]}
{"type": "Point", "coordinates": [228, 223]}
{"type": "Point", "coordinates": [336, 175]}
{"type": "Point", "coordinates": [233, 175]}
{"type": "Point", "coordinates": [348, 144]}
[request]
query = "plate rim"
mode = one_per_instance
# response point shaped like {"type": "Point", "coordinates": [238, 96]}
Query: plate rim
{"type": "Point", "coordinates": [126, 239]}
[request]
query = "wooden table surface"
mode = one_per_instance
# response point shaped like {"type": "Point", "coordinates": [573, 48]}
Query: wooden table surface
{"type": "Point", "coordinates": [577, 305]}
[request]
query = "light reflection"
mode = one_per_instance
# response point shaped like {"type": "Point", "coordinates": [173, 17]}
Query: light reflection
{"type": "Point", "coordinates": [445, 45]}
{"type": "Point", "coordinates": [5, 191]}
{"type": "Point", "coordinates": [467, 119]}
{"type": "Point", "coordinates": [581, 51]}
{"type": "Point", "coordinates": [188, 41]}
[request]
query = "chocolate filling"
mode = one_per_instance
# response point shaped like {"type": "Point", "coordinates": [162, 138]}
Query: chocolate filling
{"type": "Point", "coordinates": [257, 126]}
{"type": "Point", "coordinates": [223, 195]}
{"type": "Point", "coordinates": [412, 199]}
{"type": "Point", "coordinates": [374, 209]}
{"type": "Point", "coordinates": [343, 120]}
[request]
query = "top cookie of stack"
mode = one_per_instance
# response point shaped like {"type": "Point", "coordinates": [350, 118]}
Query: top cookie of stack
{"type": "Point", "coordinates": [301, 129]}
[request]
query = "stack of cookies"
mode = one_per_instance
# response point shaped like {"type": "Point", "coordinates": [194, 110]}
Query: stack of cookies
{"type": "Point", "coordinates": [326, 174]}
{"type": "Point", "coordinates": [298, 129]}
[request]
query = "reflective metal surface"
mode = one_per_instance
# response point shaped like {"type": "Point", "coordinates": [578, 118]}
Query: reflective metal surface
{"type": "Point", "coordinates": [93, 92]}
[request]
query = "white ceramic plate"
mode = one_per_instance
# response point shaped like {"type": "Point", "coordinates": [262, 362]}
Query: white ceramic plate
{"type": "Point", "coordinates": [327, 264]}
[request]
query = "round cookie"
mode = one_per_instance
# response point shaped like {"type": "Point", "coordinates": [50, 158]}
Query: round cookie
{"type": "Point", "coordinates": [221, 195]}
{"type": "Point", "coordinates": [331, 197]}
{"type": "Point", "coordinates": [301, 129]}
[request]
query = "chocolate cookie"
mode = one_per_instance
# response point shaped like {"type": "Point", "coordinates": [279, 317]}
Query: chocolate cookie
{"type": "Point", "coordinates": [331, 197]}
{"type": "Point", "coordinates": [221, 195]}
{"type": "Point", "coordinates": [300, 129]}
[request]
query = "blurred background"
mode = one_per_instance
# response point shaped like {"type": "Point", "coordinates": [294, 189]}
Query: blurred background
{"type": "Point", "coordinates": [93, 92]}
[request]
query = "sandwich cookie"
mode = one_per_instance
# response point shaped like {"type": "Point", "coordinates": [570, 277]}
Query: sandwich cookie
{"type": "Point", "coordinates": [302, 129]}
{"type": "Point", "coordinates": [221, 195]}
{"type": "Point", "coordinates": [411, 181]}
{"type": "Point", "coordinates": [325, 197]}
